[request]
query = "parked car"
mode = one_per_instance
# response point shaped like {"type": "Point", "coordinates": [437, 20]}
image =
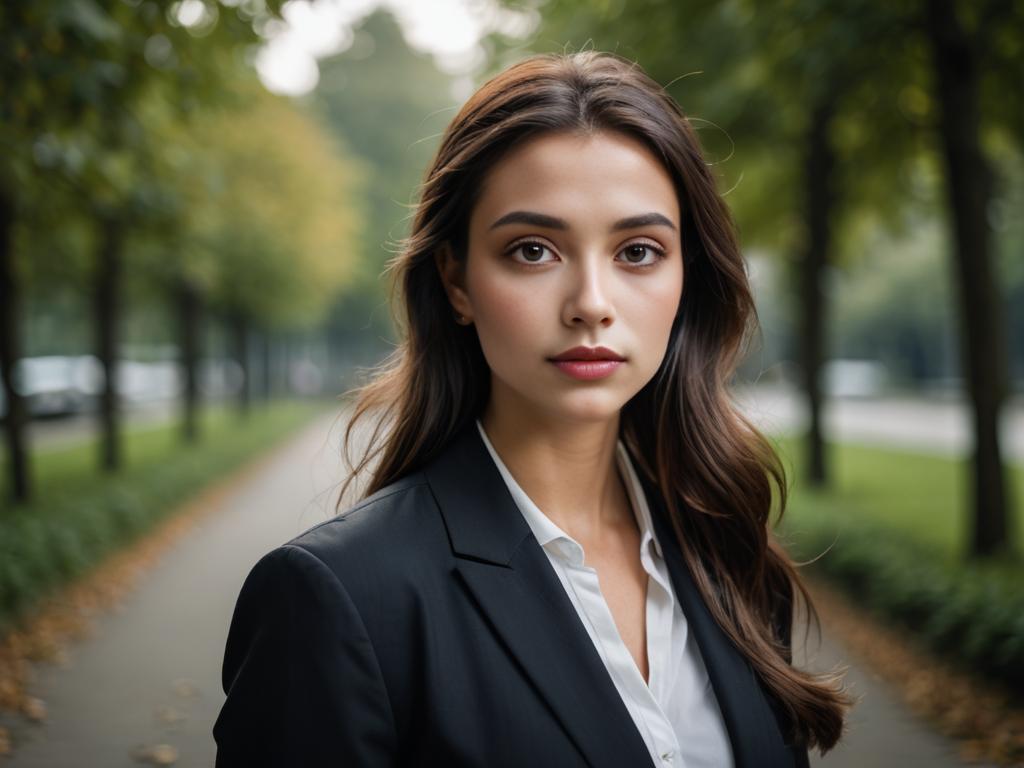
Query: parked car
{"type": "Point", "coordinates": [854, 378]}
{"type": "Point", "coordinates": [148, 382]}
{"type": "Point", "coordinates": [55, 385]}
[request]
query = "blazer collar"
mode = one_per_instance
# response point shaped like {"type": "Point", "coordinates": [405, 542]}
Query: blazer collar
{"type": "Point", "coordinates": [749, 719]}
{"type": "Point", "coordinates": [508, 574]}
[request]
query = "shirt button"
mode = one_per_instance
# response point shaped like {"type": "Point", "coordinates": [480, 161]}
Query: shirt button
{"type": "Point", "coordinates": [667, 757]}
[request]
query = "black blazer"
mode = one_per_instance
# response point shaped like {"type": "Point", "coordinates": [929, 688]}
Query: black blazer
{"type": "Point", "coordinates": [426, 626]}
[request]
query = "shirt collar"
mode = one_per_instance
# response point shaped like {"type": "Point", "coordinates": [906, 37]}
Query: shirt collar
{"type": "Point", "coordinates": [554, 539]}
{"type": "Point", "coordinates": [637, 500]}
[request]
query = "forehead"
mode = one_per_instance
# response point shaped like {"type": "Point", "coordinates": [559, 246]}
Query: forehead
{"type": "Point", "coordinates": [579, 177]}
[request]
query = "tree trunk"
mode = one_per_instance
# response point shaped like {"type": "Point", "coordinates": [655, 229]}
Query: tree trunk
{"type": "Point", "coordinates": [189, 319]}
{"type": "Point", "coordinates": [107, 309]}
{"type": "Point", "coordinates": [968, 187]}
{"type": "Point", "coordinates": [268, 360]}
{"type": "Point", "coordinates": [16, 418]}
{"type": "Point", "coordinates": [820, 161]}
{"type": "Point", "coordinates": [240, 328]}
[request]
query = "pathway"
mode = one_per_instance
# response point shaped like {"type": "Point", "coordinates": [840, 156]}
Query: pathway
{"type": "Point", "coordinates": [160, 658]}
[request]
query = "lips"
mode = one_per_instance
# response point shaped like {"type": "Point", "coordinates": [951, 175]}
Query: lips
{"type": "Point", "coordinates": [588, 354]}
{"type": "Point", "coordinates": [588, 363]}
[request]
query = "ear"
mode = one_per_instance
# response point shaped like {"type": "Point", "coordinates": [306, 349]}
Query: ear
{"type": "Point", "coordinates": [453, 278]}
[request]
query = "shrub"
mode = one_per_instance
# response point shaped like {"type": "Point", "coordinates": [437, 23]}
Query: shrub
{"type": "Point", "coordinates": [972, 613]}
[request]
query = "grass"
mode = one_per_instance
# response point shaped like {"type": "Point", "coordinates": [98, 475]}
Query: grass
{"type": "Point", "coordinates": [922, 497]}
{"type": "Point", "coordinates": [79, 515]}
{"type": "Point", "coordinates": [72, 470]}
{"type": "Point", "coordinates": [891, 532]}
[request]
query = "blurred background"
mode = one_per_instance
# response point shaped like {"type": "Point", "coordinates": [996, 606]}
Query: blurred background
{"type": "Point", "coordinates": [197, 203]}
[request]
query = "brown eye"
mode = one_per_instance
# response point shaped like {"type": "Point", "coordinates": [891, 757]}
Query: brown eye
{"type": "Point", "coordinates": [636, 252]}
{"type": "Point", "coordinates": [532, 252]}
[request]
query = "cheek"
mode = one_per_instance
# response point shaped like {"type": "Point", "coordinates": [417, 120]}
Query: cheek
{"type": "Point", "coordinates": [656, 310]}
{"type": "Point", "coordinates": [508, 313]}
{"type": "Point", "coordinates": [666, 305]}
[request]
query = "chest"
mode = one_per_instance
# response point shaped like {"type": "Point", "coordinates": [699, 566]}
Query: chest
{"type": "Point", "coordinates": [623, 583]}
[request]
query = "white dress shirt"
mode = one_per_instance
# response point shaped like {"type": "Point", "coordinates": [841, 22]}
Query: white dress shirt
{"type": "Point", "coordinates": [676, 712]}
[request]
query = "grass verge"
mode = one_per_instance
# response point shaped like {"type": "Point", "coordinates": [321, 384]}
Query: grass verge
{"type": "Point", "coordinates": [80, 515]}
{"type": "Point", "coordinates": [891, 533]}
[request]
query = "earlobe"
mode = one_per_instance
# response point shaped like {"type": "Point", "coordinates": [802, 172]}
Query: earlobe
{"type": "Point", "coordinates": [453, 273]}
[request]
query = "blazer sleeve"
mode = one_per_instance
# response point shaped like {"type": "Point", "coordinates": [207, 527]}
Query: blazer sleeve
{"type": "Point", "coordinates": [302, 680]}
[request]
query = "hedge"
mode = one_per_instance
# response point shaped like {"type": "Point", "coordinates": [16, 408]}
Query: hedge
{"type": "Point", "coordinates": [970, 612]}
{"type": "Point", "coordinates": [64, 533]}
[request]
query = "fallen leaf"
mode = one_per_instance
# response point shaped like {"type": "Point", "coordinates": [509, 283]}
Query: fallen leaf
{"type": "Point", "coordinates": [170, 715]}
{"type": "Point", "coordinates": [34, 709]}
{"type": "Point", "coordinates": [164, 754]}
{"type": "Point", "coordinates": [185, 688]}
{"type": "Point", "coordinates": [158, 754]}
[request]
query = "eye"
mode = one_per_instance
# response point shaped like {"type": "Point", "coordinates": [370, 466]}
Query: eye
{"type": "Point", "coordinates": [636, 253]}
{"type": "Point", "coordinates": [640, 250]}
{"type": "Point", "coordinates": [532, 251]}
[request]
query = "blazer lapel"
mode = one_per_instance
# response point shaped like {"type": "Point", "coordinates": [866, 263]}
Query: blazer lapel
{"type": "Point", "coordinates": [753, 731]}
{"type": "Point", "coordinates": [510, 577]}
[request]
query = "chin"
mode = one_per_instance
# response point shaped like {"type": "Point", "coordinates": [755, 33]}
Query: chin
{"type": "Point", "coordinates": [593, 406]}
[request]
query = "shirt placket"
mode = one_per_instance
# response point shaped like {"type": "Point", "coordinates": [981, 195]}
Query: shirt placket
{"type": "Point", "coordinates": [659, 644]}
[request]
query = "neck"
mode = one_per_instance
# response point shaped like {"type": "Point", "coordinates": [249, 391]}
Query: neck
{"type": "Point", "coordinates": [567, 467]}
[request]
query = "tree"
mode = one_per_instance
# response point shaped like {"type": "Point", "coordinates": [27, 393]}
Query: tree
{"type": "Point", "coordinates": [837, 96]}
{"type": "Point", "coordinates": [784, 112]}
{"type": "Point", "coordinates": [389, 104]}
{"type": "Point", "coordinates": [957, 84]}
{"type": "Point", "coordinates": [73, 72]}
{"type": "Point", "coordinates": [274, 218]}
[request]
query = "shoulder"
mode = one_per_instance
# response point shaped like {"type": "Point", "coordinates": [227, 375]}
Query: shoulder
{"type": "Point", "coordinates": [400, 500]}
{"type": "Point", "coordinates": [380, 541]}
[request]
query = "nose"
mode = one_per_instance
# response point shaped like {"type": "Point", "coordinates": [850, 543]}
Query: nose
{"type": "Point", "coordinates": [588, 300]}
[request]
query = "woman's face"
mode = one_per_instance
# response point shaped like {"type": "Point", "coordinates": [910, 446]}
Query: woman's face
{"type": "Point", "coordinates": [574, 242]}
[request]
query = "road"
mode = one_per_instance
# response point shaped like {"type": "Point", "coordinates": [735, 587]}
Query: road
{"type": "Point", "coordinates": [932, 424]}
{"type": "Point", "coordinates": [150, 674]}
{"type": "Point", "coordinates": [939, 425]}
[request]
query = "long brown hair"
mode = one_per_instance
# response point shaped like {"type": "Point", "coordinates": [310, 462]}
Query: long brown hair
{"type": "Point", "coordinates": [715, 470]}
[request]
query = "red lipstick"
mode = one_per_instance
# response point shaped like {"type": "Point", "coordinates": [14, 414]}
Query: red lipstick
{"type": "Point", "coordinates": [588, 363]}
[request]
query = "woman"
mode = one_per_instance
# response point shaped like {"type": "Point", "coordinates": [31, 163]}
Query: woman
{"type": "Point", "coordinates": [563, 557]}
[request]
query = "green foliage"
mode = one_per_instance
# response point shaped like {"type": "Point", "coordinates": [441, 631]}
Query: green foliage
{"type": "Point", "coordinates": [748, 76]}
{"type": "Point", "coordinates": [893, 305]}
{"type": "Point", "coordinates": [891, 535]}
{"type": "Point", "coordinates": [917, 495]}
{"type": "Point", "coordinates": [80, 518]}
{"type": "Point", "coordinates": [270, 218]}
{"type": "Point", "coordinates": [74, 72]}
{"type": "Point", "coordinates": [389, 104]}
{"type": "Point", "coordinates": [116, 110]}
{"type": "Point", "coordinates": [973, 614]}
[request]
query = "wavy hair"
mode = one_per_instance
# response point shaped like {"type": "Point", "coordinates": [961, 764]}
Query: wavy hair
{"type": "Point", "coordinates": [716, 472]}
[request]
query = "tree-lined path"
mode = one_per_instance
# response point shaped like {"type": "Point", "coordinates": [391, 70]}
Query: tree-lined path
{"type": "Point", "coordinates": [150, 674]}
{"type": "Point", "coordinates": [160, 657]}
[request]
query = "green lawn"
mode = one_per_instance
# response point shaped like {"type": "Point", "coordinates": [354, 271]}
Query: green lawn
{"type": "Point", "coordinates": [79, 515]}
{"type": "Point", "coordinates": [924, 497]}
{"type": "Point", "coordinates": [72, 470]}
{"type": "Point", "coordinates": [892, 531]}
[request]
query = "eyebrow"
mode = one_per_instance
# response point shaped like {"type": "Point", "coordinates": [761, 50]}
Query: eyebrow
{"type": "Point", "coordinates": [553, 222]}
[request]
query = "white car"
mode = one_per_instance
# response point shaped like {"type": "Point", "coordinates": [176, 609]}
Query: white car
{"type": "Point", "coordinates": [854, 378]}
{"type": "Point", "coordinates": [56, 385]}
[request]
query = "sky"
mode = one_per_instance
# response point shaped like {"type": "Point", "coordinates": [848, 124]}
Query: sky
{"type": "Point", "coordinates": [451, 30]}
